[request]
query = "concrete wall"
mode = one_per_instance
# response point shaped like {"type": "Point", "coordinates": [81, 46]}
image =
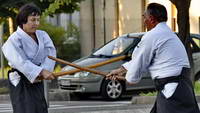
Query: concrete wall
{"type": "Point", "coordinates": [98, 25]}
{"type": "Point", "coordinates": [194, 16]}
{"type": "Point", "coordinates": [168, 6]}
{"type": "Point", "coordinates": [86, 27]}
{"type": "Point", "coordinates": [64, 19]}
{"type": "Point", "coordinates": [130, 14]}
{"type": "Point", "coordinates": [108, 19]}
{"type": "Point", "coordinates": [111, 27]}
{"type": "Point", "coordinates": [105, 15]}
{"type": "Point", "coordinates": [99, 16]}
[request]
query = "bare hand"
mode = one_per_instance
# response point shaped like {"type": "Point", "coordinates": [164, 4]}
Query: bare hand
{"type": "Point", "coordinates": [112, 75]}
{"type": "Point", "coordinates": [115, 74]}
{"type": "Point", "coordinates": [47, 75]}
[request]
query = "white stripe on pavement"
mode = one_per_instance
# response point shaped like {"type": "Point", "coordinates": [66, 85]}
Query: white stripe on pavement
{"type": "Point", "coordinates": [8, 108]}
{"type": "Point", "coordinates": [94, 106]}
{"type": "Point", "coordinates": [4, 111]}
{"type": "Point", "coordinates": [5, 108]}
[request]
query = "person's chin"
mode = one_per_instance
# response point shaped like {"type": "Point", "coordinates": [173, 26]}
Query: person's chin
{"type": "Point", "coordinates": [33, 31]}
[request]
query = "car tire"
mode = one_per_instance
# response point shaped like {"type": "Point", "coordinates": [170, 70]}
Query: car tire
{"type": "Point", "coordinates": [112, 90]}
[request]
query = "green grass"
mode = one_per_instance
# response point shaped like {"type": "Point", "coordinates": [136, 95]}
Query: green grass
{"type": "Point", "coordinates": [4, 90]}
{"type": "Point", "coordinates": [148, 94]}
{"type": "Point", "coordinates": [5, 73]}
{"type": "Point", "coordinates": [197, 88]}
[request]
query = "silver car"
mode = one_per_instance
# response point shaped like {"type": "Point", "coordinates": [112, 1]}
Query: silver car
{"type": "Point", "coordinates": [86, 82]}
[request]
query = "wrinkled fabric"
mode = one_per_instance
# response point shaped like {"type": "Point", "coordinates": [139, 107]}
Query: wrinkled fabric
{"type": "Point", "coordinates": [182, 100]}
{"type": "Point", "coordinates": [159, 52]}
{"type": "Point", "coordinates": [27, 97]}
{"type": "Point", "coordinates": [27, 59]}
{"type": "Point", "coordinates": [25, 55]}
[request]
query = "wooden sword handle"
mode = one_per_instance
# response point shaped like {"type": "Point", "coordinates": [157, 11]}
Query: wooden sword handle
{"type": "Point", "coordinates": [92, 66]}
{"type": "Point", "coordinates": [81, 68]}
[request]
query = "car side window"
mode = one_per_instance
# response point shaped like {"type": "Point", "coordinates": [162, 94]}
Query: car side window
{"type": "Point", "coordinates": [195, 44]}
{"type": "Point", "coordinates": [121, 44]}
{"type": "Point", "coordinates": [130, 51]}
{"type": "Point", "coordinates": [115, 47]}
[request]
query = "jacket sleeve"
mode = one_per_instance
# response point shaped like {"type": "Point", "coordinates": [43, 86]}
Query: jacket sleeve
{"type": "Point", "coordinates": [50, 50]}
{"type": "Point", "coordinates": [13, 52]}
{"type": "Point", "coordinates": [141, 59]}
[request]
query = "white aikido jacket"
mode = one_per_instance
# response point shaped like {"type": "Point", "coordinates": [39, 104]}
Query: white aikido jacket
{"type": "Point", "coordinates": [159, 52]}
{"type": "Point", "coordinates": [25, 55]}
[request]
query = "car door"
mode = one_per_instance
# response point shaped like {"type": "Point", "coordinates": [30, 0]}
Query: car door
{"type": "Point", "coordinates": [195, 46]}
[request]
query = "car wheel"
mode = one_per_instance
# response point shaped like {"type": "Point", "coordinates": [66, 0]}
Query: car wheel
{"type": "Point", "coordinates": [112, 90]}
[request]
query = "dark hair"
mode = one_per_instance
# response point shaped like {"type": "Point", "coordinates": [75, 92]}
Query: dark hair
{"type": "Point", "coordinates": [29, 9]}
{"type": "Point", "coordinates": [158, 11]}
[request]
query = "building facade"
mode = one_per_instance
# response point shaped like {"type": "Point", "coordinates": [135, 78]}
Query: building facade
{"type": "Point", "coordinates": [103, 20]}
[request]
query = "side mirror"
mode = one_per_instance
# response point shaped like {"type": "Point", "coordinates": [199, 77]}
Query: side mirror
{"type": "Point", "coordinates": [93, 50]}
{"type": "Point", "coordinates": [129, 54]}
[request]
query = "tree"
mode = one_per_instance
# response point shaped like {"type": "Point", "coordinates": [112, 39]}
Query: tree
{"type": "Point", "coordinates": [66, 41]}
{"type": "Point", "coordinates": [184, 27]}
{"type": "Point", "coordinates": [10, 8]}
{"type": "Point", "coordinates": [59, 6]}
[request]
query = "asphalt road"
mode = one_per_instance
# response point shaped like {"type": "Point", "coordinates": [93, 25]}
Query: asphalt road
{"type": "Point", "coordinates": [94, 104]}
{"type": "Point", "coordinates": [99, 107]}
{"type": "Point", "coordinates": [87, 107]}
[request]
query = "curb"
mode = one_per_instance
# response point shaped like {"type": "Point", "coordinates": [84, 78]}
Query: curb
{"type": "Point", "coordinates": [143, 99]}
{"type": "Point", "coordinates": [149, 99]}
{"type": "Point", "coordinates": [60, 95]}
{"type": "Point", "coordinates": [4, 97]}
{"type": "Point", "coordinates": [57, 95]}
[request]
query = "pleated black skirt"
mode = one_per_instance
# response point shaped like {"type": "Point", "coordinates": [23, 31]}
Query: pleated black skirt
{"type": "Point", "coordinates": [27, 97]}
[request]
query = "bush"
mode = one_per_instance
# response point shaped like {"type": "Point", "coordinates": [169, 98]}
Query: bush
{"type": "Point", "coordinates": [66, 41]}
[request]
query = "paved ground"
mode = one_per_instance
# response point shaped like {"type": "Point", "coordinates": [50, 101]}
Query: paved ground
{"type": "Point", "coordinates": [91, 107]}
{"type": "Point", "coordinates": [87, 107]}
{"type": "Point", "coordinates": [136, 105]}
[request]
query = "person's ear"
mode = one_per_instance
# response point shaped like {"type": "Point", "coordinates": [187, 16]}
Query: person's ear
{"type": "Point", "coordinates": [152, 20]}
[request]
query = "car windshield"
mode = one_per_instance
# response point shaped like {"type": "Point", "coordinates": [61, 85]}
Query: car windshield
{"type": "Point", "coordinates": [114, 47]}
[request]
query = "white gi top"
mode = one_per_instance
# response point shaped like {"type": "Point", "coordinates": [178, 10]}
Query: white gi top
{"type": "Point", "coordinates": [25, 55]}
{"type": "Point", "coordinates": [160, 52]}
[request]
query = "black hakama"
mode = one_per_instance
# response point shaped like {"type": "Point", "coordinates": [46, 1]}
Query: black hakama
{"type": "Point", "coordinates": [27, 97]}
{"type": "Point", "coordinates": [183, 99]}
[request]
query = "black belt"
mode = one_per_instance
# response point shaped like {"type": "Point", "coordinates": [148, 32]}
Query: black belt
{"type": "Point", "coordinates": [160, 83]}
{"type": "Point", "coordinates": [23, 76]}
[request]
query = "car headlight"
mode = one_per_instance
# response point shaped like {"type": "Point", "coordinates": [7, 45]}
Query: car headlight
{"type": "Point", "coordinates": [81, 74]}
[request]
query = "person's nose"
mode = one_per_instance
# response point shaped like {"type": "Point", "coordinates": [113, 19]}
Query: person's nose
{"type": "Point", "coordinates": [37, 22]}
